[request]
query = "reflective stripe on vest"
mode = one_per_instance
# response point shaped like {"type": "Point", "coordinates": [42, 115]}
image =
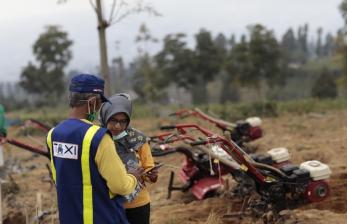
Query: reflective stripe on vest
{"type": "Point", "coordinates": [49, 143]}
{"type": "Point", "coordinates": [87, 185]}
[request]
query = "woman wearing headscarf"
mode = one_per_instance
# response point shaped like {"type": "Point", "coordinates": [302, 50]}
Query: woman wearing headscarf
{"type": "Point", "coordinates": [134, 150]}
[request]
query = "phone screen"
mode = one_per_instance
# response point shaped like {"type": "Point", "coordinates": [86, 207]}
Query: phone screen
{"type": "Point", "coordinates": [157, 166]}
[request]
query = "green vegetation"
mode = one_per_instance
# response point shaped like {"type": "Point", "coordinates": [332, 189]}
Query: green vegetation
{"type": "Point", "coordinates": [49, 115]}
{"type": "Point", "coordinates": [52, 53]}
{"type": "Point", "coordinates": [227, 111]}
{"type": "Point", "coordinates": [234, 111]}
{"type": "Point", "coordinates": [325, 86]}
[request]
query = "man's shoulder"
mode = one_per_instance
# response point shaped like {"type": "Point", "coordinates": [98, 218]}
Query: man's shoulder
{"type": "Point", "coordinates": [80, 127]}
{"type": "Point", "coordinates": [75, 123]}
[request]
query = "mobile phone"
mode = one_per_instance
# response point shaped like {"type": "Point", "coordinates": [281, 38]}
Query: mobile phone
{"type": "Point", "coordinates": [155, 167]}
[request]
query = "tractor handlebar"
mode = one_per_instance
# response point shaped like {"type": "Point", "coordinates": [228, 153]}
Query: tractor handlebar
{"type": "Point", "coordinates": [200, 142]}
{"type": "Point", "coordinates": [168, 127]}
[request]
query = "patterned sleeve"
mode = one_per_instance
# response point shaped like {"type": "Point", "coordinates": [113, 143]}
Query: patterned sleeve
{"type": "Point", "coordinates": [146, 156]}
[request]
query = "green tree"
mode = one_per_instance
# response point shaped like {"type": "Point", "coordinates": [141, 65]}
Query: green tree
{"type": "Point", "coordinates": [343, 47]}
{"type": "Point", "coordinates": [324, 86]}
{"type": "Point", "coordinates": [232, 41]}
{"type": "Point", "coordinates": [319, 47]}
{"type": "Point", "coordinates": [302, 43]}
{"type": "Point", "coordinates": [187, 68]}
{"type": "Point", "coordinates": [343, 10]}
{"type": "Point", "coordinates": [230, 89]}
{"type": "Point", "coordinates": [221, 44]}
{"type": "Point", "coordinates": [256, 60]}
{"type": "Point", "coordinates": [51, 49]}
{"type": "Point", "coordinates": [238, 59]}
{"type": "Point", "coordinates": [288, 40]}
{"type": "Point", "coordinates": [52, 53]}
{"type": "Point", "coordinates": [238, 65]}
{"type": "Point", "coordinates": [264, 55]}
{"type": "Point", "coordinates": [175, 62]}
{"type": "Point", "coordinates": [147, 81]}
{"type": "Point", "coordinates": [208, 59]}
{"type": "Point", "coordinates": [329, 44]}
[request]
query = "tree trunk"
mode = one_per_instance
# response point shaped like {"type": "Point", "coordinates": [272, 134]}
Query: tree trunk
{"type": "Point", "coordinates": [102, 25]}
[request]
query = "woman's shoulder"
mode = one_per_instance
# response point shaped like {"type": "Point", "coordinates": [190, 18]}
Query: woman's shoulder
{"type": "Point", "coordinates": [136, 136]}
{"type": "Point", "coordinates": [135, 132]}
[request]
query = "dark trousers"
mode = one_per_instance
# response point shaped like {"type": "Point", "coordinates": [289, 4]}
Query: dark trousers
{"type": "Point", "coordinates": [139, 215]}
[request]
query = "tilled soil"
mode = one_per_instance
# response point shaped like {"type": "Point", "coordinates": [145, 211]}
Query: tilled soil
{"type": "Point", "coordinates": [29, 196]}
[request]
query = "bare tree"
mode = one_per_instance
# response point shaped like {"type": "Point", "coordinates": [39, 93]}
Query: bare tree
{"type": "Point", "coordinates": [120, 9]}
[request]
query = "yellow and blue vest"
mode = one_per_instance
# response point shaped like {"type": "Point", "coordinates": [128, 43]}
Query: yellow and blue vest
{"type": "Point", "coordinates": [83, 196]}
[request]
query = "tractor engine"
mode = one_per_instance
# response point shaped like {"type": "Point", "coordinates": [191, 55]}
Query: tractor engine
{"type": "Point", "coordinates": [317, 189]}
{"type": "Point", "coordinates": [302, 184]}
{"type": "Point", "coordinates": [247, 130]}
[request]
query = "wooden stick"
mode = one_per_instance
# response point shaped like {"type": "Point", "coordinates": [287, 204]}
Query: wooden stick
{"type": "Point", "coordinates": [1, 165]}
{"type": "Point", "coordinates": [52, 215]}
{"type": "Point", "coordinates": [26, 215]}
{"type": "Point", "coordinates": [0, 203]}
{"type": "Point", "coordinates": [38, 204]}
{"type": "Point", "coordinates": [1, 157]}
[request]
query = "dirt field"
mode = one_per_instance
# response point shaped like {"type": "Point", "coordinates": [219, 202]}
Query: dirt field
{"type": "Point", "coordinates": [311, 136]}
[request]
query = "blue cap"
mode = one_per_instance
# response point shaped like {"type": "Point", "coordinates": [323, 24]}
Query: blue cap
{"type": "Point", "coordinates": [86, 83]}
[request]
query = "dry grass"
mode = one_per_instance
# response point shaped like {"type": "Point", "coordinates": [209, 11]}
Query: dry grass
{"type": "Point", "coordinates": [213, 218]}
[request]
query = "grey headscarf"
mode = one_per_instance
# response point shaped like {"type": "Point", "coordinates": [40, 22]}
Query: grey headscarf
{"type": "Point", "coordinates": [119, 103]}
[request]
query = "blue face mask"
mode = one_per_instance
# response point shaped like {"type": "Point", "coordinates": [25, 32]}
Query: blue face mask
{"type": "Point", "coordinates": [120, 135]}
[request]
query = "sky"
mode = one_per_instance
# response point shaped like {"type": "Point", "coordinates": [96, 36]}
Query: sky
{"type": "Point", "coordinates": [21, 22]}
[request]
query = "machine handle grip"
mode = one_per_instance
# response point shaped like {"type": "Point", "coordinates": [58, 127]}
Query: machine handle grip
{"type": "Point", "coordinates": [168, 127]}
{"type": "Point", "coordinates": [201, 142]}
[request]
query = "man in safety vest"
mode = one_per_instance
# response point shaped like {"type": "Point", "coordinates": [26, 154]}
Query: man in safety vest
{"type": "Point", "coordinates": [3, 134]}
{"type": "Point", "coordinates": [88, 173]}
{"type": "Point", "coordinates": [3, 131]}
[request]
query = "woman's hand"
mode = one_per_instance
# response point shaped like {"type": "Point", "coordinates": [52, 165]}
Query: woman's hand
{"type": "Point", "coordinates": [138, 173]}
{"type": "Point", "coordinates": [2, 140]}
